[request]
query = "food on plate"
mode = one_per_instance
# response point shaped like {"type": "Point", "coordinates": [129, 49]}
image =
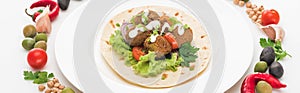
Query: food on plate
{"type": "Point", "coordinates": [63, 4]}
{"type": "Point", "coordinates": [53, 10]}
{"type": "Point", "coordinates": [270, 17]}
{"type": "Point", "coordinates": [276, 45]}
{"type": "Point", "coordinates": [155, 46]}
{"type": "Point", "coordinates": [267, 55]}
{"type": "Point", "coordinates": [276, 69]}
{"type": "Point", "coordinates": [29, 31]}
{"type": "Point", "coordinates": [41, 37]}
{"type": "Point", "coordinates": [263, 87]}
{"type": "Point", "coordinates": [261, 66]}
{"type": "Point", "coordinates": [41, 44]}
{"type": "Point", "coordinates": [37, 58]}
{"type": "Point", "coordinates": [28, 43]}
{"type": "Point", "coordinates": [248, 85]}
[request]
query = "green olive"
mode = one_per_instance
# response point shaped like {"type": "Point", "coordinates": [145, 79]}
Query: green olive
{"type": "Point", "coordinates": [263, 87]}
{"type": "Point", "coordinates": [29, 31]}
{"type": "Point", "coordinates": [261, 66]}
{"type": "Point", "coordinates": [67, 90]}
{"type": "Point", "coordinates": [41, 44]}
{"type": "Point", "coordinates": [28, 43]}
{"type": "Point", "coordinates": [41, 37]}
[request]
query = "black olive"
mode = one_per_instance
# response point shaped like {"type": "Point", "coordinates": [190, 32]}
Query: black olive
{"type": "Point", "coordinates": [276, 69]}
{"type": "Point", "coordinates": [268, 55]}
{"type": "Point", "coordinates": [63, 4]}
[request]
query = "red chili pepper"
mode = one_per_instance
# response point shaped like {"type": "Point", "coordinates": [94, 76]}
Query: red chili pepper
{"type": "Point", "coordinates": [250, 81]}
{"type": "Point", "coordinates": [54, 9]}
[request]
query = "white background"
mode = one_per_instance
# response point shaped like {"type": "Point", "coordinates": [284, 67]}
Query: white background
{"type": "Point", "coordinates": [13, 56]}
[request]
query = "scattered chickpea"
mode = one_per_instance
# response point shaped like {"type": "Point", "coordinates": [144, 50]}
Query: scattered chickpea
{"type": "Point", "coordinates": [254, 18]}
{"type": "Point", "coordinates": [55, 90]}
{"type": "Point", "coordinates": [261, 8]}
{"type": "Point", "coordinates": [61, 87]}
{"type": "Point", "coordinates": [248, 4]}
{"type": "Point", "coordinates": [258, 12]}
{"type": "Point", "coordinates": [241, 3]}
{"type": "Point", "coordinates": [256, 9]}
{"type": "Point", "coordinates": [56, 85]}
{"type": "Point", "coordinates": [55, 80]}
{"type": "Point", "coordinates": [50, 84]}
{"type": "Point", "coordinates": [248, 10]}
{"type": "Point", "coordinates": [48, 91]}
{"type": "Point", "coordinates": [42, 87]}
{"type": "Point", "coordinates": [251, 13]}
{"type": "Point", "coordinates": [236, 2]}
{"type": "Point", "coordinates": [259, 17]}
{"type": "Point", "coordinates": [258, 21]}
{"type": "Point", "coordinates": [253, 6]}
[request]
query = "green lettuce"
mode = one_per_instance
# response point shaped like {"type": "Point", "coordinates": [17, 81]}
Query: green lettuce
{"type": "Point", "coordinates": [120, 46]}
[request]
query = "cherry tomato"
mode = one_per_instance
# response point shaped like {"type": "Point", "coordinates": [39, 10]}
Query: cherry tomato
{"type": "Point", "coordinates": [270, 17]}
{"type": "Point", "coordinates": [171, 39]}
{"type": "Point", "coordinates": [37, 58]}
{"type": "Point", "coordinates": [137, 53]}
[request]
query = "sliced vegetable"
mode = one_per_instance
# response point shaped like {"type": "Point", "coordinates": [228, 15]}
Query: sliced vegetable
{"type": "Point", "coordinates": [137, 53]}
{"type": "Point", "coordinates": [171, 39]}
{"type": "Point", "coordinates": [38, 77]}
{"type": "Point", "coordinates": [270, 17]}
{"type": "Point", "coordinates": [188, 53]}
{"type": "Point", "coordinates": [37, 58]}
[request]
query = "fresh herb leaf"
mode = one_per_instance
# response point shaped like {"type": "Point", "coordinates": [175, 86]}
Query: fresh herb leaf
{"type": "Point", "coordinates": [188, 53]}
{"type": "Point", "coordinates": [279, 52]}
{"type": "Point", "coordinates": [38, 77]}
{"type": "Point", "coordinates": [118, 25]}
{"type": "Point", "coordinates": [51, 75]}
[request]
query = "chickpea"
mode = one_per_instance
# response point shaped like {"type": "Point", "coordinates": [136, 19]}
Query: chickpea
{"type": "Point", "coordinates": [48, 91]}
{"type": "Point", "coordinates": [56, 85]}
{"type": "Point", "coordinates": [248, 10]}
{"type": "Point", "coordinates": [254, 18]}
{"type": "Point", "coordinates": [254, 6]}
{"type": "Point", "coordinates": [256, 9]}
{"type": "Point", "coordinates": [258, 21]}
{"type": "Point", "coordinates": [50, 84]}
{"type": "Point", "coordinates": [55, 90]}
{"type": "Point", "coordinates": [61, 87]}
{"type": "Point", "coordinates": [236, 2]}
{"type": "Point", "coordinates": [261, 8]}
{"type": "Point", "coordinates": [251, 13]}
{"type": "Point", "coordinates": [241, 3]}
{"type": "Point", "coordinates": [248, 4]}
{"type": "Point", "coordinates": [42, 87]}
{"type": "Point", "coordinates": [55, 80]}
{"type": "Point", "coordinates": [258, 12]}
{"type": "Point", "coordinates": [259, 17]}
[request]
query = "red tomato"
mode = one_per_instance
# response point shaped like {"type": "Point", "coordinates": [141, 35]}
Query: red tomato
{"type": "Point", "coordinates": [171, 39]}
{"type": "Point", "coordinates": [37, 58]}
{"type": "Point", "coordinates": [270, 17]}
{"type": "Point", "coordinates": [137, 53]}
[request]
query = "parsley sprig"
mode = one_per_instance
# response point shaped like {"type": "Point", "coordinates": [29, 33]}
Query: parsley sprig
{"type": "Point", "coordinates": [280, 53]}
{"type": "Point", "coordinates": [188, 53]}
{"type": "Point", "coordinates": [38, 77]}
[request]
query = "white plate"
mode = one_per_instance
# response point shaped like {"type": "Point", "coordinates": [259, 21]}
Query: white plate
{"type": "Point", "coordinates": [94, 78]}
{"type": "Point", "coordinates": [239, 43]}
{"type": "Point", "coordinates": [64, 46]}
{"type": "Point", "coordinates": [232, 66]}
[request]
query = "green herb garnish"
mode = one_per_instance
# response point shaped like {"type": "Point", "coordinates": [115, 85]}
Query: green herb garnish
{"type": "Point", "coordinates": [188, 53]}
{"type": "Point", "coordinates": [118, 25]}
{"type": "Point", "coordinates": [280, 53]}
{"type": "Point", "coordinates": [186, 26]}
{"type": "Point", "coordinates": [38, 77]}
